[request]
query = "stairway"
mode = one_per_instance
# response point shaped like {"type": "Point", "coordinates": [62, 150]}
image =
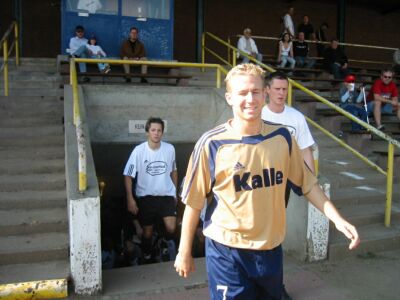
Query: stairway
{"type": "Point", "coordinates": [357, 190]}
{"type": "Point", "coordinates": [33, 207]}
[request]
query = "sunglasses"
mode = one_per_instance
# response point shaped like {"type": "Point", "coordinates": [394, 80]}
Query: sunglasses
{"type": "Point", "coordinates": [387, 77]}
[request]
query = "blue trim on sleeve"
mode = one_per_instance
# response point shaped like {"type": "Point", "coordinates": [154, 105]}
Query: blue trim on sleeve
{"type": "Point", "coordinates": [295, 188]}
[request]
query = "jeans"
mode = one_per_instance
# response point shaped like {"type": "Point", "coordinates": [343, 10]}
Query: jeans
{"type": "Point", "coordinates": [357, 112]}
{"type": "Point", "coordinates": [304, 62]}
{"type": "Point", "coordinates": [101, 66]}
{"type": "Point", "coordinates": [82, 52]}
{"type": "Point", "coordinates": [338, 72]}
{"type": "Point", "coordinates": [287, 59]}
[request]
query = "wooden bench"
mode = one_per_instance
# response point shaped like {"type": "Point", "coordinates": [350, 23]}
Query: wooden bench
{"type": "Point", "coordinates": [177, 77]}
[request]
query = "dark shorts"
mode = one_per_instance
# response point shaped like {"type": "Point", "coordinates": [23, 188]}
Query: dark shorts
{"type": "Point", "coordinates": [242, 273]}
{"type": "Point", "coordinates": [152, 208]}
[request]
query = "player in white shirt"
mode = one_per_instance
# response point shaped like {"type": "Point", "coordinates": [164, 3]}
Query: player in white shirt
{"type": "Point", "coordinates": [277, 111]}
{"type": "Point", "coordinates": [153, 165]}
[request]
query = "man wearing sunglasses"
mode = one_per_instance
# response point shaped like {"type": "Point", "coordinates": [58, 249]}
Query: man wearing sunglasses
{"type": "Point", "coordinates": [383, 97]}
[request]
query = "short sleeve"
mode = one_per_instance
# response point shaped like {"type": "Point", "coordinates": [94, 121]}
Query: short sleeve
{"type": "Point", "coordinates": [300, 177]}
{"type": "Point", "coordinates": [395, 92]}
{"type": "Point", "coordinates": [197, 181]}
{"type": "Point", "coordinates": [131, 165]}
{"type": "Point", "coordinates": [305, 139]}
{"type": "Point", "coordinates": [173, 159]}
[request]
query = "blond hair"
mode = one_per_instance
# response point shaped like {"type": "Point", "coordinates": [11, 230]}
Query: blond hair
{"type": "Point", "coordinates": [244, 69]}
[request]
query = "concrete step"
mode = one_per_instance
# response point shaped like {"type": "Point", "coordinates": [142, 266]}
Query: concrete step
{"type": "Point", "coordinates": [31, 199]}
{"type": "Point", "coordinates": [38, 141]}
{"type": "Point", "coordinates": [57, 269]}
{"type": "Point", "coordinates": [355, 178]}
{"type": "Point", "coordinates": [42, 182]}
{"type": "Point", "coordinates": [32, 132]}
{"type": "Point", "coordinates": [34, 92]}
{"type": "Point", "coordinates": [32, 221]}
{"type": "Point", "coordinates": [359, 195]}
{"type": "Point", "coordinates": [26, 165]}
{"type": "Point", "coordinates": [35, 83]}
{"type": "Point", "coordinates": [31, 121]}
{"type": "Point", "coordinates": [37, 105]}
{"type": "Point", "coordinates": [21, 249]}
{"type": "Point", "coordinates": [364, 214]}
{"type": "Point", "coordinates": [38, 152]}
{"type": "Point", "coordinates": [374, 238]}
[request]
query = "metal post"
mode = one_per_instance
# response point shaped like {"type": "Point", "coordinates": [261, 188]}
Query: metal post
{"type": "Point", "coordinates": [290, 92]}
{"type": "Point", "coordinates": [218, 77]}
{"type": "Point", "coordinates": [389, 185]}
{"type": "Point", "coordinates": [341, 20]}
{"type": "Point", "coordinates": [229, 50]}
{"type": "Point", "coordinates": [75, 94]}
{"type": "Point", "coordinates": [234, 57]}
{"type": "Point", "coordinates": [80, 137]}
{"type": "Point", "coordinates": [16, 34]}
{"type": "Point", "coordinates": [199, 28]}
{"type": "Point", "coordinates": [203, 51]}
{"type": "Point", "coordinates": [5, 58]}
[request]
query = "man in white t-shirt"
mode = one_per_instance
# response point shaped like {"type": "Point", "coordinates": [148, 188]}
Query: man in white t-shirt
{"type": "Point", "coordinates": [248, 46]}
{"type": "Point", "coordinates": [277, 111]}
{"type": "Point", "coordinates": [288, 22]}
{"type": "Point", "coordinates": [153, 165]}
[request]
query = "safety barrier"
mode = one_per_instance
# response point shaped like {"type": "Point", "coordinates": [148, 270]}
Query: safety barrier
{"type": "Point", "coordinates": [76, 112]}
{"type": "Point", "coordinates": [293, 84]}
{"type": "Point", "coordinates": [7, 52]}
{"type": "Point", "coordinates": [328, 43]}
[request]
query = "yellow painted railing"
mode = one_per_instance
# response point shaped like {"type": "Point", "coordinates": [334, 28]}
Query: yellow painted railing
{"type": "Point", "coordinates": [75, 94]}
{"type": "Point", "coordinates": [328, 43]}
{"type": "Point", "coordinates": [7, 50]}
{"type": "Point", "coordinates": [294, 84]}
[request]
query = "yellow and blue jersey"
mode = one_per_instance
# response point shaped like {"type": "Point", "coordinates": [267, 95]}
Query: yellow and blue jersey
{"type": "Point", "coordinates": [248, 176]}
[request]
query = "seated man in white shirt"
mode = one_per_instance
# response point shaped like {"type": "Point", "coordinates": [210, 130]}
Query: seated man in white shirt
{"type": "Point", "coordinates": [77, 47]}
{"type": "Point", "coordinates": [247, 45]}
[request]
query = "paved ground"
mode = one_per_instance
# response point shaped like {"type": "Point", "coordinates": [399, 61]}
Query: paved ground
{"type": "Point", "coordinates": [373, 276]}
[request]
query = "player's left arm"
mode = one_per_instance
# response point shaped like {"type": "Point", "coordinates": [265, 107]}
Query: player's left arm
{"type": "Point", "coordinates": [318, 198]}
{"type": "Point", "coordinates": [309, 158]}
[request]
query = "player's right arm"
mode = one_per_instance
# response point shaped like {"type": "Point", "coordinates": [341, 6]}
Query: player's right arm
{"type": "Point", "coordinates": [184, 263]}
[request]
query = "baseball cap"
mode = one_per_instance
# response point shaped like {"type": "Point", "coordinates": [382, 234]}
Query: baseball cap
{"type": "Point", "coordinates": [350, 79]}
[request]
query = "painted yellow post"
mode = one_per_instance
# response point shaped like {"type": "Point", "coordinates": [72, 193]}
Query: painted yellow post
{"type": "Point", "coordinates": [5, 59]}
{"type": "Point", "coordinates": [218, 77]}
{"type": "Point", "coordinates": [203, 51]}
{"type": "Point", "coordinates": [234, 57]}
{"type": "Point", "coordinates": [389, 185]}
{"type": "Point", "coordinates": [45, 289]}
{"type": "Point", "coordinates": [315, 152]}
{"type": "Point", "coordinates": [290, 94]}
{"type": "Point", "coordinates": [75, 94]}
{"type": "Point", "coordinates": [229, 50]}
{"type": "Point", "coordinates": [16, 34]}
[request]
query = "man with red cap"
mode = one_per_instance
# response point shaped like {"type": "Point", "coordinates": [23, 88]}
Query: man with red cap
{"type": "Point", "coordinates": [383, 97]}
{"type": "Point", "coordinates": [350, 99]}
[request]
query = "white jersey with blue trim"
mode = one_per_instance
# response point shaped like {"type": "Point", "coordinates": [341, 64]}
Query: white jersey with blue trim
{"type": "Point", "coordinates": [248, 176]}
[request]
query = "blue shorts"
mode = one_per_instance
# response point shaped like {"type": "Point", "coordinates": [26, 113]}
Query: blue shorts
{"type": "Point", "coordinates": [242, 273]}
{"type": "Point", "coordinates": [386, 109]}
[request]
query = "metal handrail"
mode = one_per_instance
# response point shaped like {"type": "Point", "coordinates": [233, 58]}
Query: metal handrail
{"type": "Point", "coordinates": [292, 83]}
{"type": "Point", "coordinates": [7, 52]}
{"type": "Point", "coordinates": [81, 142]}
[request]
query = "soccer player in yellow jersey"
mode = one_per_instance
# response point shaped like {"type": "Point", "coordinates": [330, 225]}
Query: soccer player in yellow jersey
{"type": "Point", "coordinates": [246, 164]}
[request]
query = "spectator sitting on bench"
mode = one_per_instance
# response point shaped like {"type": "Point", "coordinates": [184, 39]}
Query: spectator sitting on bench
{"type": "Point", "coordinates": [383, 97]}
{"type": "Point", "coordinates": [307, 28]}
{"type": "Point", "coordinates": [95, 51]}
{"type": "Point", "coordinates": [300, 50]}
{"type": "Point", "coordinates": [77, 48]}
{"type": "Point", "coordinates": [133, 49]}
{"type": "Point", "coordinates": [247, 45]}
{"type": "Point", "coordinates": [336, 61]}
{"type": "Point", "coordinates": [320, 35]}
{"type": "Point", "coordinates": [286, 52]}
{"type": "Point", "coordinates": [350, 99]}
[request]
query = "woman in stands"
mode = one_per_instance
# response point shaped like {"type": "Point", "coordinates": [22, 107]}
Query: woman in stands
{"type": "Point", "coordinates": [96, 51]}
{"type": "Point", "coordinates": [286, 52]}
{"type": "Point", "coordinates": [350, 99]}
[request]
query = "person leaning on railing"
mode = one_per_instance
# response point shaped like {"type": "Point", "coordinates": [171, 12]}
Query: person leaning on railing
{"type": "Point", "coordinates": [350, 98]}
{"type": "Point", "coordinates": [247, 45]}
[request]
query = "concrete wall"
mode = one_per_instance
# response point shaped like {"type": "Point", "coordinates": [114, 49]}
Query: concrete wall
{"type": "Point", "coordinates": [189, 111]}
{"type": "Point", "coordinates": [83, 209]}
